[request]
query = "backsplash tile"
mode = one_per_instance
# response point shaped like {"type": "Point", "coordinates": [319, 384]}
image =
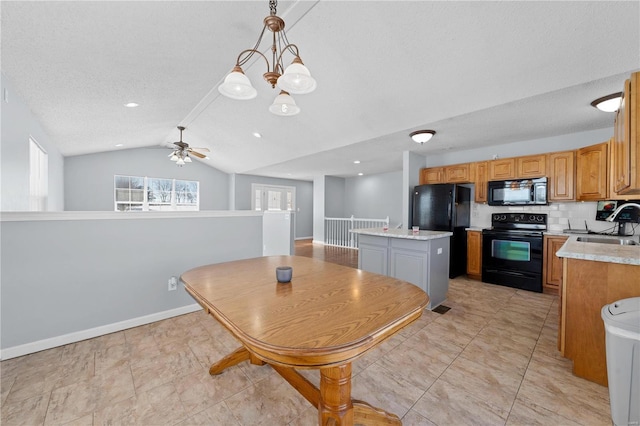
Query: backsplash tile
{"type": "Point", "coordinates": [559, 215]}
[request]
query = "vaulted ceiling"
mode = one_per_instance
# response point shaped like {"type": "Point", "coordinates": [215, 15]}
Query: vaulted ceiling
{"type": "Point", "coordinates": [479, 73]}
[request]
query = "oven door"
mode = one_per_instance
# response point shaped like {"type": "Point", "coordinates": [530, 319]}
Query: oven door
{"type": "Point", "coordinates": [512, 259]}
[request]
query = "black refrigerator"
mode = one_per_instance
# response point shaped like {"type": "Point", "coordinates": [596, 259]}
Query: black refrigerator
{"type": "Point", "coordinates": [445, 207]}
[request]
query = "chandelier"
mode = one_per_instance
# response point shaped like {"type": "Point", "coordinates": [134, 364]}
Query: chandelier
{"type": "Point", "coordinates": [295, 79]}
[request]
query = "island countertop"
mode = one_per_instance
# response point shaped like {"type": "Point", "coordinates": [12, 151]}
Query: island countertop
{"type": "Point", "coordinates": [403, 233]}
{"type": "Point", "coordinates": [611, 253]}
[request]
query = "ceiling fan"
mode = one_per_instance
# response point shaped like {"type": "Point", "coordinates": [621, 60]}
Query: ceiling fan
{"type": "Point", "coordinates": [181, 153]}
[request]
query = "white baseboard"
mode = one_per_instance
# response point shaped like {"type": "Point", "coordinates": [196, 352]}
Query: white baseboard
{"type": "Point", "coordinates": [303, 238]}
{"type": "Point", "coordinates": [317, 242]}
{"type": "Point", "coordinates": [78, 336]}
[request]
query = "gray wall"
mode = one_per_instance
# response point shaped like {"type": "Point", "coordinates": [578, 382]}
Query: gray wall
{"type": "Point", "coordinates": [411, 165]}
{"type": "Point", "coordinates": [88, 179]}
{"type": "Point", "coordinates": [334, 196]}
{"type": "Point", "coordinates": [304, 199]}
{"type": "Point", "coordinates": [375, 197]}
{"type": "Point", "coordinates": [515, 149]}
{"type": "Point", "coordinates": [64, 276]}
{"type": "Point", "coordinates": [18, 123]}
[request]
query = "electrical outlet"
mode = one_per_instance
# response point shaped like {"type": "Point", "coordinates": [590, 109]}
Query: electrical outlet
{"type": "Point", "coordinates": [173, 284]}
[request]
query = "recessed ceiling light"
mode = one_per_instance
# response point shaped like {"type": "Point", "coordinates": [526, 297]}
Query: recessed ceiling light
{"type": "Point", "coordinates": [131, 105]}
{"type": "Point", "coordinates": [360, 174]}
{"type": "Point", "coordinates": [422, 136]}
{"type": "Point", "coordinates": [119, 145]}
{"type": "Point", "coordinates": [609, 103]}
{"type": "Point", "coordinates": [257, 135]}
{"type": "Point", "coordinates": [356, 162]}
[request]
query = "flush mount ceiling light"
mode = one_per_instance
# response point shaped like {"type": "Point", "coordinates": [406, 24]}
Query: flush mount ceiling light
{"type": "Point", "coordinates": [422, 136]}
{"type": "Point", "coordinates": [131, 105]}
{"type": "Point", "coordinates": [295, 79]}
{"type": "Point", "coordinates": [609, 103]}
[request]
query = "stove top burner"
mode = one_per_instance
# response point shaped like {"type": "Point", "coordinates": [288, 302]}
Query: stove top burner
{"type": "Point", "coordinates": [519, 221]}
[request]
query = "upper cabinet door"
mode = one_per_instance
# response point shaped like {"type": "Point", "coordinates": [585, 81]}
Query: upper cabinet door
{"type": "Point", "coordinates": [531, 166]}
{"type": "Point", "coordinates": [432, 175]}
{"type": "Point", "coordinates": [502, 169]}
{"type": "Point", "coordinates": [591, 173]}
{"type": "Point", "coordinates": [562, 167]}
{"type": "Point", "coordinates": [621, 146]}
{"type": "Point", "coordinates": [458, 173]}
{"type": "Point", "coordinates": [480, 176]}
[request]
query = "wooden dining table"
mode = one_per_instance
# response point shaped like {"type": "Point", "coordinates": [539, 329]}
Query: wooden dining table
{"type": "Point", "coordinates": [326, 317]}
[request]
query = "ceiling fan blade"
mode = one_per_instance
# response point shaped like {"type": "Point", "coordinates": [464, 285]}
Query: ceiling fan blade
{"type": "Point", "coordinates": [197, 154]}
{"type": "Point", "coordinates": [202, 149]}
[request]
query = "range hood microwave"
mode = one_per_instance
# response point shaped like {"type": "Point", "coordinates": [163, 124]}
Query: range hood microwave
{"type": "Point", "coordinates": [518, 192]}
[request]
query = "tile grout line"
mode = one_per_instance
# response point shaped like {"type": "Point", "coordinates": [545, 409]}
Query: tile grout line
{"type": "Point", "coordinates": [445, 370]}
{"type": "Point", "coordinates": [529, 362]}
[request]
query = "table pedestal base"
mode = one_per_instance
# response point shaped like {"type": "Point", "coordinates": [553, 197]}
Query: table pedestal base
{"type": "Point", "coordinates": [333, 399]}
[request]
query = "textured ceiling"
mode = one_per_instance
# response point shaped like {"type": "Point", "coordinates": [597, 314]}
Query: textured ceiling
{"type": "Point", "coordinates": [479, 73]}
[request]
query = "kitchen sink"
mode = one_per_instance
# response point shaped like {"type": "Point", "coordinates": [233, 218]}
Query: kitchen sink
{"type": "Point", "coordinates": [617, 241]}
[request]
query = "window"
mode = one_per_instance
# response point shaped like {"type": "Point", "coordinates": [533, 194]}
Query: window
{"type": "Point", "coordinates": [273, 197]}
{"type": "Point", "coordinates": [38, 177]}
{"type": "Point", "coordinates": [136, 193]}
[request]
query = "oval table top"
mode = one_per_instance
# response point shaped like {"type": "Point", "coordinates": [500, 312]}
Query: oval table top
{"type": "Point", "coordinates": [327, 315]}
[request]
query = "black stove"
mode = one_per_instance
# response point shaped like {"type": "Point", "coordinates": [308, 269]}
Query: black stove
{"type": "Point", "coordinates": [512, 250]}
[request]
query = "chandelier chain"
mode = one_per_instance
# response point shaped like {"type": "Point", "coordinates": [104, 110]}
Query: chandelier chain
{"type": "Point", "coordinates": [273, 4]}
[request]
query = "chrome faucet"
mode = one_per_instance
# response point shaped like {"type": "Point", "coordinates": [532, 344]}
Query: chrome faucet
{"type": "Point", "coordinates": [613, 215]}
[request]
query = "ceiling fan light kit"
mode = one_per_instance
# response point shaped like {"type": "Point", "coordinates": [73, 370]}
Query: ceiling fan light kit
{"type": "Point", "coordinates": [182, 153]}
{"type": "Point", "coordinates": [422, 136]}
{"type": "Point", "coordinates": [295, 79]}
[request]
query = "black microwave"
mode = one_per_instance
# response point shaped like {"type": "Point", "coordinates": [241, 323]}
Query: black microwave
{"type": "Point", "coordinates": [518, 192]}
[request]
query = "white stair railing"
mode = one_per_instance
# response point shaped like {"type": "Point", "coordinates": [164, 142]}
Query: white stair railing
{"type": "Point", "coordinates": [336, 229]}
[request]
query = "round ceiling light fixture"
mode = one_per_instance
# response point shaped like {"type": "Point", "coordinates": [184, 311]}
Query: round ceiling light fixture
{"type": "Point", "coordinates": [609, 103]}
{"type": "Point", "coordinates": [422, 136]}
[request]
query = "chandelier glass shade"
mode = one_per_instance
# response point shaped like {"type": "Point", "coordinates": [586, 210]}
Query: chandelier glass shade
{"type": "Point", "coordinates": [294, 79]}
{"type": "Point", "coordinates": [284, 105]}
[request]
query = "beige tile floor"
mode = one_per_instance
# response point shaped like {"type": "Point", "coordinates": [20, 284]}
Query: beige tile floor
{"type": "Point", "coordinates": [491, 360]}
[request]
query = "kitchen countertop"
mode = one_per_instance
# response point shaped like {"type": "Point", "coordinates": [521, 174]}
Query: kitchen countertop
{"type": "Point", "coordinates": [611, 253]}
{"type": "Point", "coordinates": [403, 233]}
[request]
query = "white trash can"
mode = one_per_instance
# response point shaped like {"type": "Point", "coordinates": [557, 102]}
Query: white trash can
{"type": "Point", "coordinates": [622, 334]}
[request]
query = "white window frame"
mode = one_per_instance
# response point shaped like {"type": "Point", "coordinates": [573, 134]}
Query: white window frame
{"type": "Point", "coordinates": [146, 205]}
{"type": "Point", "coordinates": [38, 176]}
{"type": "Point", "coordinates": [264, 201]}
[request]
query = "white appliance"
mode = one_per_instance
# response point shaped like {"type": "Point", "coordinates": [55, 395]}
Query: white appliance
{"type": "Point", "coordinates": [278, 233]}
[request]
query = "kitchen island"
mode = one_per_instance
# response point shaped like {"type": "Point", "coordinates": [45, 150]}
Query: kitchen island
{"type": "Point", "coordinates": [594, 275]}
{"type": "Point", "coordinates": [420, 258]}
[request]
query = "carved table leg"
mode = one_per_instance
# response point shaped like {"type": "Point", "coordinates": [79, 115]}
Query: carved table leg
{"type": "Point", "coordinates": [234, 358]}
{"type": "Point", "coordinates": [364, 413]}
{"type": "Point", "coordinates": [335, 406]}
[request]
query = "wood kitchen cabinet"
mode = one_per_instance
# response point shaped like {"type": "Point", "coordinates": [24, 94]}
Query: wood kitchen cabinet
{"type": "Point", "coordinates": [502, 169]}
{"type": "Point", "coordinates": [625, 147]}
{"type": "Point", "coordinates": [480, 177]}
{"type": "Point", "coordinates": [474, 255]}
{"type": "Point", "coordinates": [592, 172]}
{"type": "Point", "coordinates": [552, 264]}
{"type": "Point", "coordinates": [561, 169]}
{"type": "Point", "coordinates": [531, 166]}
{"type": "Point", "coordinates": [587, 287]}
{"type": "Point", "coordinates": [458, 173]}
{"type": "Point", "coordinates": [432, 175]}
